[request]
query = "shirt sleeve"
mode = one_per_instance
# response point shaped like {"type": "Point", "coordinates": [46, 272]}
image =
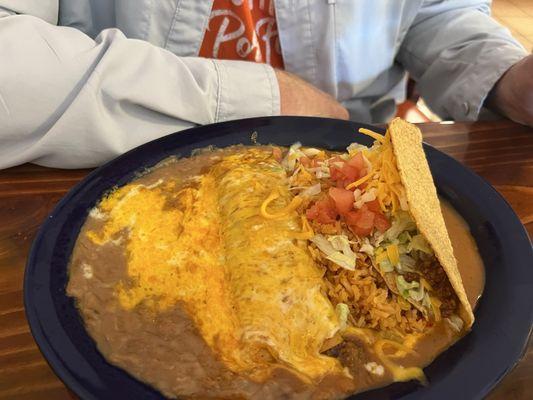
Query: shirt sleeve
{"type": "Point", "coordinates": [69, 101]}
{"type": "Point", "coordinates": [456, 52]}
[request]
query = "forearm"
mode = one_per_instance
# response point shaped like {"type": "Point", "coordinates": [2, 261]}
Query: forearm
{"type": "Point", "coordinates": [456, 53]}
{"type": "Point", "coordinates": [512, 96]}
{"type": "Point", "coordinates": [69, 101]}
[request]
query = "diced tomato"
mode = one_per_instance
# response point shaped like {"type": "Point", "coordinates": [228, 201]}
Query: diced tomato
{"type": "Point", "coordinates": [381, 222]}
{"type": "Point", "coordinates": [277, 154]}
{"type": "Point", "coordinates": [335, 166]}
{"type": "Point", "coordinates": [357, 162]}
{"type": "Point", "coordinates": [363, 221]}
{"type": "Point", "coordinates": [350, 173]}
{"type": "Point", "coordinates": [342, 198]}
{"type": "Point", "coordinates": [366, 221]}
{"type": "Point", "coordinates": [305, 161]}
{"type": "Point", "coordinates": [373, 206]}
{"type": "Point", "coordinates": [335, 173]}
{"type": "Point", "coordinates": [342, 183]}
{"type": "Point", "coordinates": [344, 175]}
{"type": "Point", "coordinates": [361, 232]}
{"type": "Point", "coordinates": [352, 217]}
{"type": "Point", "coordinates": [323, 211]}
{"type": "Point", "coordinates": [312, 212]}
{"type": "Point", "coordinates": [360, 222]}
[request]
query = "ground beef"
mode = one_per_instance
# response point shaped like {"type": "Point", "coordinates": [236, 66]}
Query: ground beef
{"type": "Point", "coordinates": [433, 272]}
{"type": "Point", "coordinates": [448, 307]}
{"type": "Point", "coordinates": [411, 276]}
{"type": "Point", "coordinates": [350, 355]}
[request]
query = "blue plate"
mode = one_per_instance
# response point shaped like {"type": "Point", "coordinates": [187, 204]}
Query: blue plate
{"type": "Point", "coordinates": [469, 370]}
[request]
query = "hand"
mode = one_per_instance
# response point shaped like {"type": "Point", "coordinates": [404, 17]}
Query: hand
{"type": "Point", "coordinates": [512, 95]}
{"type": "Point", "coordinates": [298, 97]}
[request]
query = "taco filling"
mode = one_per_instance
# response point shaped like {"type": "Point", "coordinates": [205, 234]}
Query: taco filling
{"type": "Point", "coordinates": [362, 231]}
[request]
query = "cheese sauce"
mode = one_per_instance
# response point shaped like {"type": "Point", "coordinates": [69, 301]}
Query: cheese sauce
{"type": "Point", "coordinates": [468, 258]}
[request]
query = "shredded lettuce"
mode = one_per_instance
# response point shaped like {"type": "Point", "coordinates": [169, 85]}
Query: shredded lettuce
{"type": "Point", "coordinates": [418, 242]}
{"type": "Point", "coordinates": [403, 268]}
{"type": "Point", "coordinates": [342, 260]}
{"type": "Point", "coordinates": [342, 311]}
{"type": "Point", "coordinates": [367, 248]}
{"type": "Point", "coordinates": [337, 249]}
{"type": "Point", "coordinates": [405, 287]}
{"type": "Point", "coordinates": [340, 242]}
{"type": "Point", "coordinates": [293, 154]}
{"type": "Point", "coordinates": [321, 171]}
{"type": "Point", "coordinates": [417, 295]}
{"type": "Point", "coordinates": [378, 238]}
{"type": "Point", "coordinates": [355, 148]}
{"type": "Point", "coordinates": [404, 237]}
{"type": "Point", "coordinates": [426, 301]}
{"type": "Point", "coordinates": [312, 190]}
{"type": "Point", "coordinates": [456, 322]}
{"type": "Point", "coordinates": [386, 266]}
{"type": "Point", "coordinates": [323, 244]}
{"type": "Point", "coordinates": [401, 222]}
{"type": "Point", "coordinates": [407, 262]}
{"type": "Point", "coordinates": [364, 198]}
{"type": "Point", "coordinates": [311, 151]}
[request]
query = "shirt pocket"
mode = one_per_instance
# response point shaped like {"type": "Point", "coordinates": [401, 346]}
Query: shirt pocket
{"type": "Point", "coordinates": [368, 35]}
{"type": "Point", "coordinates": [187, 27]}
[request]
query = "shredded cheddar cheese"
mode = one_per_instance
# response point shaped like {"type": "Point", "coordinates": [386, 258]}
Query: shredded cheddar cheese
{"type": "Point", "coordinates": [359, 182]}
{"type": "Point", "coordinates": [436, 303]}
{"type": "Point", "coordinates": [206, 247]}
{"type": "Point", "coordinates": [384, 177]}
{"type": "Point", "coordinates": [381, 256]}
{"type": "Point", "coordinates": [307, 232]}
{"type": "Point", "coordinates": [426, 285]}
{"type": "Point", "coordinates": [373, 135]}
{"type": "Point", "coordinates": [293, 205]}
{"type": "Point", "coordinates": [393, 254]}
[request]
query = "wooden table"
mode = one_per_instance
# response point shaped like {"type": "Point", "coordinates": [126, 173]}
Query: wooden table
{"type": "Point", "coordinates": [501, 152]}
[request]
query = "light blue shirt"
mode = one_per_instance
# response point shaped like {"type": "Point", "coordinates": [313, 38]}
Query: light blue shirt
{"type": "Point", "coordinates": [116, 74]}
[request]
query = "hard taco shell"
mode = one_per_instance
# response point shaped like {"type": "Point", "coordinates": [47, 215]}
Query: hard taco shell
{"type": "Point", "coordinates": [424, 204]}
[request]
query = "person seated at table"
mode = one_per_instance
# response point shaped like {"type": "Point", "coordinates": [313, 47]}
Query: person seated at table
{"type": "Point", "coordinates": [82, 81]}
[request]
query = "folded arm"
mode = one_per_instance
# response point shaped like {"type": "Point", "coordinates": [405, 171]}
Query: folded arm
{"type": "Point", "coordinates": [456, 52]}
{"type": "Point", "coordinates": [69, 101]}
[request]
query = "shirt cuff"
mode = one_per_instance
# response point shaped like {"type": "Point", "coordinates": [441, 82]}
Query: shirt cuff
{"type": "Point", "coordinates": [245, 89]}
{"type": "Point", "coordinates": [481, 78]}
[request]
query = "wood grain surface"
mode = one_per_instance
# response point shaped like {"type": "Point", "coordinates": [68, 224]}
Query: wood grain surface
{"type": "Point", "coordinates": [501, 152]}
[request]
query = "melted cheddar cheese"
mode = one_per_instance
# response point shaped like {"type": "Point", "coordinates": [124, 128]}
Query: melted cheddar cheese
{"type": "Point", "coordinates": [246, 279]}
